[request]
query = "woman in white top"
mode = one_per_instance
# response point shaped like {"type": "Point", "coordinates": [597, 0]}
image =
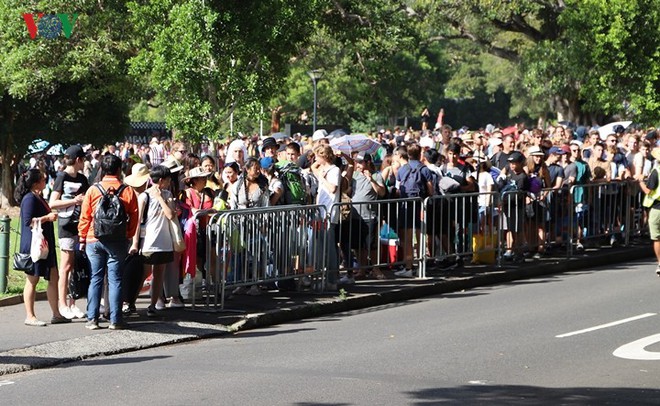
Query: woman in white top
{"type": "Point", "coordinates": [157, 246]}
{"type": "Point", "coordinates": [329, 192]}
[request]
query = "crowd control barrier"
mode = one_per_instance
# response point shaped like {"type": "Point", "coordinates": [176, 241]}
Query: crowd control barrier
{"type": "Point", "coordinates": [266, 246]}
{"type": "Point", "coordinates": [381, 233]}
{"type": "Point", "coordinates": [280, 244]}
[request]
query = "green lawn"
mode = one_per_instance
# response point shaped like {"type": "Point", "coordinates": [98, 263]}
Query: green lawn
{"type": "Point", "coordinates": [16, 279]}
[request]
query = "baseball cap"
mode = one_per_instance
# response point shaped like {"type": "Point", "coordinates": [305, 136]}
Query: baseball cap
{"type": "Point", "coordinates": [557, 151]}
{"type": "Point", "coordinates": [74, 151]}
{"type": "Point", "coordinates": [363, 156]}
{"type": "Point", "coordinates": [516, 157]}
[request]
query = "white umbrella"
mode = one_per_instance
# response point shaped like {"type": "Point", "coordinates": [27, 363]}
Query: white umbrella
{"type": "Point", "coordinates": [355, 143]}
{"type": "Point", "coordinates": [608, 129]}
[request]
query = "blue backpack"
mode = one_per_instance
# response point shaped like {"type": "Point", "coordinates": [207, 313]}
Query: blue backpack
{"type": "Point", "coordinates": [413, 183]}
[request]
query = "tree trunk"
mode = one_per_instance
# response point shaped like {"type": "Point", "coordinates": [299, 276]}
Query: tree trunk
{"type": "Point", "coordinates": [6, 175]}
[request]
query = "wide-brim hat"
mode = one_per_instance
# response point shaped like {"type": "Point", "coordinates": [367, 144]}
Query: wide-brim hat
{"type": "Point", "coordinates": [197, 172]}
{"type": "Point", "coordinates": [138, 177]}
{"type": "Point", "coordinates": [535, 151]}
{"type": "Point", "coordinates": [655, 153]}
{"type": "Point", "coordinates": [172, 165]}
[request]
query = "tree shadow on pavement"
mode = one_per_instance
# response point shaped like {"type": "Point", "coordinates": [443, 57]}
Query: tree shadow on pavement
{"type": "Point", "coordinates": [518, 395]}
{"type": "Point", "coordinates": [118, 361]}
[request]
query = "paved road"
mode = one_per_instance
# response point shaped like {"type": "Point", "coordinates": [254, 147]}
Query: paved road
{"type": "Point", "coordinates": [535, 342]}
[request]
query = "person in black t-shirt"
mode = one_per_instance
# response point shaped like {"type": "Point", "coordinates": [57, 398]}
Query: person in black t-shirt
{"type": "Point", "coordinates": [514, 183]}
{"type": "Point", "coordinates": [67, 196]}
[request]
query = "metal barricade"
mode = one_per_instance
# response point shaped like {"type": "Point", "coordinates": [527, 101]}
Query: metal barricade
{"type": "Point", "coordinates": [600, 211]}
{"type": "Point", "coordinates": [552, 221]}
{"type": "Point", "coordinates": [461, 225]}
{"type": "Point", "coordinates": [381, 233]}
{"type": "Point", "coordinates": [638, 221]}
{"type": "Point", "coordinates": [268, 245]}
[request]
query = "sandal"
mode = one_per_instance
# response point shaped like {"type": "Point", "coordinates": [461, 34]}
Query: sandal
{"type": "Point", "coordinates": [34, 323]}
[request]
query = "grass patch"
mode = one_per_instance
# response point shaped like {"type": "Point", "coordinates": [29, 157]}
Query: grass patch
{"type": "Point", "coordinates": [16, 279]}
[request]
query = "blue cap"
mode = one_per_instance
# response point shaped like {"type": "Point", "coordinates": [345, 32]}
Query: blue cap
{"type": "Point", "coordinates": [556, 150]}
{"type": "Point", "coordinates": [266, 162]}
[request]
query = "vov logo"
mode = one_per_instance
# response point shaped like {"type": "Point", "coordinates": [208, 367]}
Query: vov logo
{"type": "Point", "coordinates": [50, 26]}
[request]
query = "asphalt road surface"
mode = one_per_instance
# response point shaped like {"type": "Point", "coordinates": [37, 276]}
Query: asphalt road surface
{"type": "Point", "coordinates": [584, 338]}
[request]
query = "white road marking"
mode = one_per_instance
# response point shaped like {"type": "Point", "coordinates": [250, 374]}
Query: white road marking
{"type": "Point", "coordinates": [6, 382]}
{"type": "Point", "coordinates": [614, 323]}
{"type": "Point", "coordinates": [636, 349]}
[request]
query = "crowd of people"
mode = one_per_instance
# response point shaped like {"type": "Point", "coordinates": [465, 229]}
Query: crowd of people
{"type": "Point", "coordinates": [130, 201]}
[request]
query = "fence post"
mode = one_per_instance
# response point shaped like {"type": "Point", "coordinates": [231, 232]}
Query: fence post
{"type": "Point", "coordinates": [4, 252]}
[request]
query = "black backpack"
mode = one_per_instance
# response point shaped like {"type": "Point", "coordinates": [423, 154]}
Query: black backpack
{"type": "Point", "coordinates": [110, 218]}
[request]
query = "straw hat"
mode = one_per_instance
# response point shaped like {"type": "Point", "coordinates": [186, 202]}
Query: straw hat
{"type": "Point", "coordinates": [197, 172]}
{"type": "Point", "coordinates": [655, 153]}
{"type": "Point", "coordinates": [172, 165]}
{"type": "Point", "coordinates": [138, 177]}
{"type": "Point", "coordinates": [535, 151]}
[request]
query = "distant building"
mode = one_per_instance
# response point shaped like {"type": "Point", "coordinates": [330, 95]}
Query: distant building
{"type": "Point", "coordinates": [143, 131]}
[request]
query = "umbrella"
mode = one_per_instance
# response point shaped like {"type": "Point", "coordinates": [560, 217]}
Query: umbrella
{"type": "Point", "coordinates": [56, 150]}
{"type": "Point", "coordinates": [608, 129]}
{"type": "Point", "coordinates": [355, 143]}
{"type": "Point", "coordinates": [337, 133]}
{"type": "Point", "coordinates": [280, 136]}
{"type": "Point", "coordinates": [38, 146]}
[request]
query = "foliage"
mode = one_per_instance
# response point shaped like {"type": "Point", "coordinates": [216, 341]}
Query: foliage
{"type": "Point", "coordinates": [62, 90]}
{"type": "Point", "coordinates": [204, 59]}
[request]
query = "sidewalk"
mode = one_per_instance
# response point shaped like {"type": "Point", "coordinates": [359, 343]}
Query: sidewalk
{"type": "Point", "coordinates": [24, 348]}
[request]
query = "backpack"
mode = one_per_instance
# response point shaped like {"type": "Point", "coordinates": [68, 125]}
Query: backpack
{"type": "Point", "coordinates": [295, 189]}
{"type": "Point", "coordinates": [581, 178]}
{"type": "Point", "coordinates": [110, 218]}
{"type": "Point", "coordinates": [414, 184]}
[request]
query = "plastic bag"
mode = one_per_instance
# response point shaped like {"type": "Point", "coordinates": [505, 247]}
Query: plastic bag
{"type": "Point", "coordinates": [39, 245]}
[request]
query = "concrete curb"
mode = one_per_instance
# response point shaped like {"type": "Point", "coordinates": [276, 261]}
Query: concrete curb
{"type": "Point", "coordinates": [147, 335]}
{"type": "Point", "coordinates": [18, 299]}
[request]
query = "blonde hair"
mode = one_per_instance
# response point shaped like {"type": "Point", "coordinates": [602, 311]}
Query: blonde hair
{"type": "Point", "coordinates": [325, 151]}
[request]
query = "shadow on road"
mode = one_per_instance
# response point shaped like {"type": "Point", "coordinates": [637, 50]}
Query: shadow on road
{"type": "Point", "coordinates": [532, 396]}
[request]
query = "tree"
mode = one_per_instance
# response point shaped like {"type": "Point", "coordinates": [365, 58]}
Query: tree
{"type": "Point", "coordinates": [204, 59]}
{"type": "Point", "coordinates": [58, 88]}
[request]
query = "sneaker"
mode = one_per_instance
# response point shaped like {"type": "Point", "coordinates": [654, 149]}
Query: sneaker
{"type": "Point", "coordinates": [66, 312]}
{"type": "Point", "coordinates": [657, 270]}
{"type": "Point", "coordinates": [254, 291]}
{"type": "Point", "coordinates": [118, 326]}
{"type": "Point", "coordinates": [613, 241]}
{"type": "Point", "coordinates": [151, 311]}
{"type": "Point", "coordinates": [92, 325]}
{"type": "Point", "coordinates": [404, 273]}
{"type": "Point", "coordinates": [579, 247]}
{"type": "Point", "coordinates": [59, 320]}
{"type": "Point", "coordinates": [508, 255]}
{"type": "Point", "coordinates": [347, 280]}
{"type": "Point", "coordinates": [79, 314]}
{"type": "Point", "coordinates": [160, 304]}
{"type": "Point", "coordinates": [175, 303]}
